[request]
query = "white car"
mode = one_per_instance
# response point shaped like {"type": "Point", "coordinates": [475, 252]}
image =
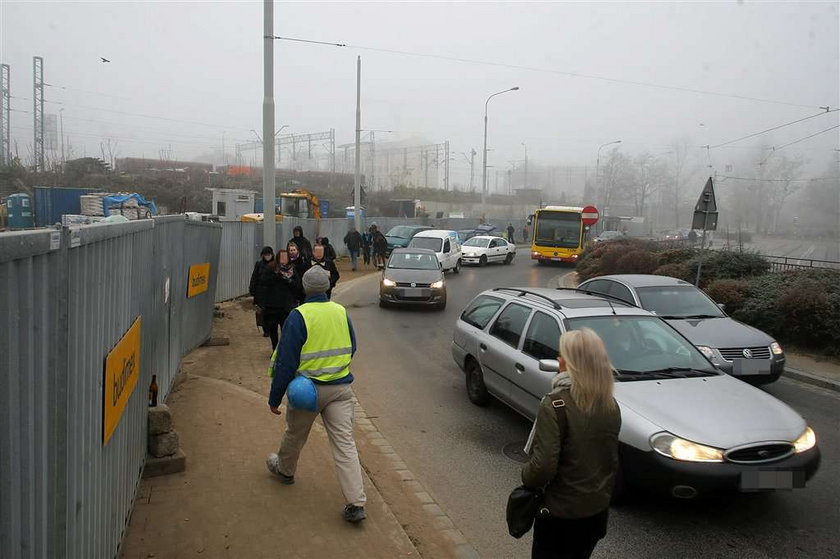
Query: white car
{"type": "Point", "coordinates": [484, 249]}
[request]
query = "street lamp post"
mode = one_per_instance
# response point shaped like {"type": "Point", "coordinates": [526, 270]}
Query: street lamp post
{"type": "Point", "coordinates": [597, 172]}
{"type": "Point", "coordinates": [484, 164]}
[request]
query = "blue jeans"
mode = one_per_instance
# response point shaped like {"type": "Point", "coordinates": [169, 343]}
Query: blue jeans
{"type": "Point", "coordinates": [354, 257]}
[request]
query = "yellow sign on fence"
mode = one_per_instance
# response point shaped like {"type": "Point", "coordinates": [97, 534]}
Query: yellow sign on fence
{"type": "Point", "coordinates": [122, 369]}
{"type": "Point", "coordinates": [199, 279]}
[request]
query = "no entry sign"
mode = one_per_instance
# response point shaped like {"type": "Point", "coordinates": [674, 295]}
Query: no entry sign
{"type": "Point", "coordinates": [589, 215]}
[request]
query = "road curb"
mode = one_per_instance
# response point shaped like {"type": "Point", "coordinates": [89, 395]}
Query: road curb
{"type": "Point", "coordinates": [445, 526]}
{"type": "Point", "coordinates": [812, 379]}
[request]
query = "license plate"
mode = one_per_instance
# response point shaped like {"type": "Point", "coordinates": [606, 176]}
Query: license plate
{"type": "Point", "coordinates": [750, 366]}
{"type": "Point", "coordinates": [773, 479]}
{"type": "Point", "coordinates": [415, 293]}
{"type": "Point", "coordinates": [557, 259]}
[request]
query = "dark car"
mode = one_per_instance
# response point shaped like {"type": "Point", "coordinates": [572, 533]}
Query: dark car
{"type": "Point", "coordinates": [734, 347]}
{"type": "Point", "coordinates": [413, 276]}
{"type": "Point", "coordinates": [401, 235]}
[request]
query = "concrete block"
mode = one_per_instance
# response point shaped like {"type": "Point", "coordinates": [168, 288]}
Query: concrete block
{"type": "Point", "coordinates": [165, 444]}
{"type": "Point", "coordinates": [160, 420]}
{"type": "Point", "coordinates": [165, 465]}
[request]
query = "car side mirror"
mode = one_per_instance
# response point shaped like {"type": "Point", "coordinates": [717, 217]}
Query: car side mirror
{"type": "Point", "coordinates": [549, 365]}
{"type": "Point", "coordinates": [722, 306]}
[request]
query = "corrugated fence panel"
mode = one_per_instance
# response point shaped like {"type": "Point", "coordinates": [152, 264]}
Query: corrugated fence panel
{"type": "Point", "coordinates": [201, 242]}
{"type": "Point", "coordinates": [238, 253]}
{"type": "Point", "coordinates": [30, 386]}
{"type": "Point", "coordinates": [66, 299]}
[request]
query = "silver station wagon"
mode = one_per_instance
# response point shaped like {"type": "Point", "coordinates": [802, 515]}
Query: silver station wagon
{"type": "Point", "coordinates": [687, 428]}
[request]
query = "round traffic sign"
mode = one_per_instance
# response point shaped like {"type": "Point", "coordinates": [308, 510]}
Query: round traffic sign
{"type": "Point", "coordinates": [589, 215]}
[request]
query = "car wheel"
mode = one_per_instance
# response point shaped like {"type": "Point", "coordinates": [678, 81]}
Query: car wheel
{"type": "Point", "coordinates": [476, 390]}
{"type": "Point", "coordinates": [541, 262]}
{"type": "Point", "coordinates": [457, 268]}
{"type": "Point", "coordinates": [483, 260]}
{"type": "Point", "coordinates": [508, 258]}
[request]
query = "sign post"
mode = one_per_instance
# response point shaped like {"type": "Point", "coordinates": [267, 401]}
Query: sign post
{"type": "Point", "coordinates": [589, 216]}
{"type": "Point", "coordinates": [705, 218]}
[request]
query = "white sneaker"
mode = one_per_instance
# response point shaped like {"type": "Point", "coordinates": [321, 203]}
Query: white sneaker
{"type": "Point", "coordinates": [272, 463]}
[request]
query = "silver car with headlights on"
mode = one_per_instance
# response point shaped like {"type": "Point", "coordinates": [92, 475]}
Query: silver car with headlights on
{"type": "Point", "coordinates": [413, 276]}
{"type": "Point", "coordinates": [687, 428]}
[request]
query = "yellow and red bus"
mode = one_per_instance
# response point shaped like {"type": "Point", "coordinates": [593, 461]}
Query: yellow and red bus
{"type": "Point", "coordinates": [559, 233]}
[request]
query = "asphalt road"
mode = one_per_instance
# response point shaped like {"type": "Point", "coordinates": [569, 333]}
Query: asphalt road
{"type": "Point", "coordinates": [406, 379]}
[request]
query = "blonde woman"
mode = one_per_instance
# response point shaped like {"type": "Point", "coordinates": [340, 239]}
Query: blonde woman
{"type": "Point", "coordinates": [574, 451]}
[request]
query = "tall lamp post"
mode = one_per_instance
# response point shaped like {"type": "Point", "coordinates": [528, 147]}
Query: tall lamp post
{"type": "Point", "coordinates": [484, 164]}
{"type": "Point", "coordinates": [598, 171]}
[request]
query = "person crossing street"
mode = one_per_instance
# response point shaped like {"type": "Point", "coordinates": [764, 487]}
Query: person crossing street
{"type": "Point", "coordinates": [318, 343]}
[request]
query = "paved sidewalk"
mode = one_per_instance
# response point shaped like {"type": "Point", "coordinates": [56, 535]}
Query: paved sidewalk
{"type": "Point", "coordinates": [227, 505]}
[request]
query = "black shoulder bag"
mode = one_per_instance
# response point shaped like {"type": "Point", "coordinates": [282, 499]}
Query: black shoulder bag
{"type": "Point", "coordinates": [525, 504]}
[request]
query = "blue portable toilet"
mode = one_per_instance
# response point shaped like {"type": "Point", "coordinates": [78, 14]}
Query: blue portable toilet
{"type": "Point", "coordinates": [19, 207]}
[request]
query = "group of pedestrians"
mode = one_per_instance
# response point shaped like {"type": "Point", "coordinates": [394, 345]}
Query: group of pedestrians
{"type": "Point", "coordinates": [367, 244]}
{"type": "Point", "coordinates": [277, 279]}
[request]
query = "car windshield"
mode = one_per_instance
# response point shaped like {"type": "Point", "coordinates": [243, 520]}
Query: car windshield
{"type": "Point", "coordinates": [644, 347]}
{"type": "Point", "coordinates": [558, 229]}
{"type": "Point", "coordinates": [401, 231]}
{"type": "Point", "coordinates": [413, 261]}
{"type": "Point", "coordinates": [678, 301]}
{"type": "Point", "coordinates": [477, 242]}
{"type": "Point", "coordinates": [430, 243]}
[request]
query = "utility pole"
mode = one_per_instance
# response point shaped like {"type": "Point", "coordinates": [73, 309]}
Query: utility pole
{"type": "Point", "coordinates": [332, 157]}
{"type": "Point", "coordinates": [525, 185]}
{"type": "Point", "coordinates": [357, 182]}
{"type": "Point", "coordinates": [38, 111]}
{"type": "Point", "coordinates": [472, 169]}
{"type": "Point", "coordinates": [5, 95]}
{"type": "Point", "coordinates": [484, 164]}
{"type": "Point", "coordinates": [269, 188]}
{"type": "Point", "coordinates": [446, 168]}
{"type": "Point", "coordinates": [61, 127]}
{"type": "Point", "coordinates": [372, 161]}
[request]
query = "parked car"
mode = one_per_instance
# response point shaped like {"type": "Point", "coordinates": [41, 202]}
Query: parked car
{"type": "Point", "coordinates": [484, 249]}
{"type": "Point", "coordinates": [734, 347]}
{"type": "Point", "coordinates": [400, 236]}
{"type": "Point", "coordinates": [446, 245]}
{"type": "Point", "coordinates": [687, 428]}
{"type": "Point", "coordinates": [413, 276]}
{"type": "Point", "coordinates": [608, 236]}
{"type": "Point", "coordinates": [484, 229]}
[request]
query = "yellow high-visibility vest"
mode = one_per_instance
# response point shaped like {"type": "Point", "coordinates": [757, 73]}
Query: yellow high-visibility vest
{"type": "Point", "coordinates": [328, 350]}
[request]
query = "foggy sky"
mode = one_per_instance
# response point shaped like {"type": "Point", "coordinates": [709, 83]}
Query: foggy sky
{"type": "Point", "coordinates": [200, 63]}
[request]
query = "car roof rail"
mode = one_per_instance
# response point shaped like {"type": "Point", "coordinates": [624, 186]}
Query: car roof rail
{"type": "Point", "coordinates": [597, 294]}
{"type": "Point", "coordinates": [520, 292]}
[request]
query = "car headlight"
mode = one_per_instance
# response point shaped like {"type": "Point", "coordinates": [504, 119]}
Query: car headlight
{"type": "Point", "coordinates": [388, 283]}
{"type": "Point", "coordinates": [806, 441]}
{"type": "Point", "coordinates": [776, 348]}
{"type": "Point", "coordinates": [674, 447]}
{"type": "Point", "coordinates": [707, 351]}
{"type": "Point", "coordinates": [437, 285]}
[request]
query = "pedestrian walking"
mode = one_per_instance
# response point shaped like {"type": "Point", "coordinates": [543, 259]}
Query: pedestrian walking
{"type": "Point", "coordinates": [299, 262]}
{"type": "Point", "coordinates": [279, 292]}
{"type": "Point", "coordinates": [380, 246]}
{"type": "Point", "coordinates": [573, 450]}
{"type": "Point", "coordinates": [329, 250]}
{"type": "Point", "coordinates": [303, 244]}
{"type": "Point", "coordinates": [319, 258]}
{"type": "Point", "coordinates": [353, 240]}
{"type": "Point", "coordinates": [318, 342]}
{"type": "Point", "coordinates": [510, 232]}
{"type": "Point", "coordinates": [367, 245]}
{"type": "Point", "coordinates": [266, 257]}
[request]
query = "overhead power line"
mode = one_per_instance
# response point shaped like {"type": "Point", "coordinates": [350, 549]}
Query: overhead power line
{"type": "Point", "coordinates": [775, 149]}
{"type": "Point", "coordinates": [545, 70]}
{"type": "Point", "coordinates": [821, 113]}
{"type": "Point", "coordinates": [779, 180]}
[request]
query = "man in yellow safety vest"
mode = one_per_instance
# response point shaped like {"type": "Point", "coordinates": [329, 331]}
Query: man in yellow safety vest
{"type": "Point", "coordinates": [318, 341]}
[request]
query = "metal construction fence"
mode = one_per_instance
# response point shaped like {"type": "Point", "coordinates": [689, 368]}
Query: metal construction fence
{"type": "Point", "coordinates": [241, 242]}
{"type": "Point", "coordinates": [78, 308]}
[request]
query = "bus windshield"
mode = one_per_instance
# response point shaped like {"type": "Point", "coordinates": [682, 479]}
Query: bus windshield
{"type": "Point", "coordinates": [558, 229]}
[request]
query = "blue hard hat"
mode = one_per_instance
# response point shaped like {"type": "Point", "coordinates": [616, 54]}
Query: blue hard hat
{"type": "Point", "coordinates": [302, 394]}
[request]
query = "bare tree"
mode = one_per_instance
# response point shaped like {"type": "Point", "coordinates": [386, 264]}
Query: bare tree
{"type": "Point", "coordinates": [783, 174]}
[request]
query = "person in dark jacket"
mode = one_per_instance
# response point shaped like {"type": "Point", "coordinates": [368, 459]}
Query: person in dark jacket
{"type": "Point", "coordinates": [279, 292]}
{"type": "Point", "coordinates": [319, 258]}
{"type": "Point", "coordinates": [300, 263]}
{"type": "Point", "coordinates": [353, 241]}
{"type": "Point", "coordinates": [367, 243]}
{"type": "Point", "coordinates": [266, 257]}
{"type": "Point", "coordinates": [380, 246]}
{"type": "Point", "coordinates": [510, 231]}
{"type": "Point", "coordinates": [329, 250]}
{"type": "Point", "coordinates": [573, 450]}
{"type": "Point", "coordinates": [303, 244]}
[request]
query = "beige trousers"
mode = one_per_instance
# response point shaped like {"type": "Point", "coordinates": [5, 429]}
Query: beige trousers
{"type": "Point", "coordinates": [335, 404]}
